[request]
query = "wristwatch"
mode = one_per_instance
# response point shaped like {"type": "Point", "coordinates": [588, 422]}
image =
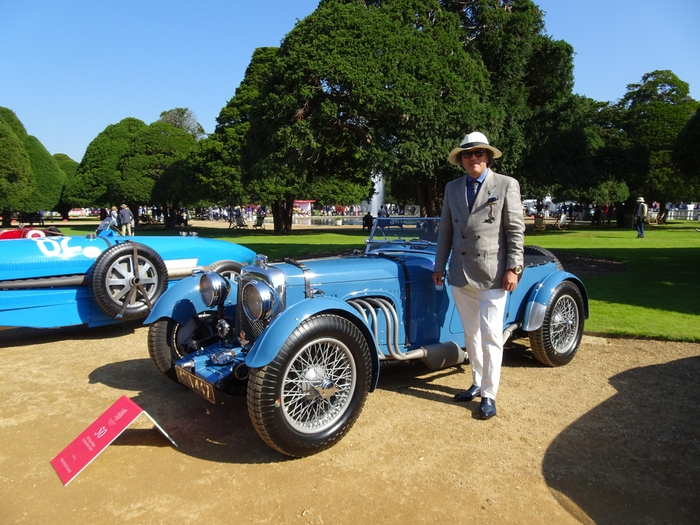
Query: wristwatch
{"type": "Point", "coordinates": [517, 270]}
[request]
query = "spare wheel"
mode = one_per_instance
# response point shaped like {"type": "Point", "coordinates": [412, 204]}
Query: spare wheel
{"type": "Point", "coordinates": [127, 280]}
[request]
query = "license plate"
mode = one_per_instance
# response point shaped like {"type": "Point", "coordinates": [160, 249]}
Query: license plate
{"type": "Point", "coordinates": [200, 386]}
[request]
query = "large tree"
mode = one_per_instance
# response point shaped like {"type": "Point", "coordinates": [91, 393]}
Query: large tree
{"type": "Point", "coordinates": [390, 86]}
{"type": "Point", "coordinates": [530, 73]}
{"type": "Point", "coordinates": [99, 168]}
{"type": "Point", "coordinates": [47, 179]}
{"type": "Point", "coordinates": [643, 127]}
{"type": "Point", "coordinates": [151, 151]}
{"type": "Point", "coordinates": [214, 165]}
{"type": "Point", "coordinates": [360, 89]}
{"type": "Point", "coordinates": [15, 173]}
{"type": "Point", "coordinates": [50, 178]}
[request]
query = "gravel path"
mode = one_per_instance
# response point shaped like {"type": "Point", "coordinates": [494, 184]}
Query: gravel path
{"type": "Point", "coordinates": [610, 438]}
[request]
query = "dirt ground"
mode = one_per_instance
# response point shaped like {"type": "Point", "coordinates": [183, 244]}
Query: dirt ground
{"type": "Point", "coordinates": [610, 438]}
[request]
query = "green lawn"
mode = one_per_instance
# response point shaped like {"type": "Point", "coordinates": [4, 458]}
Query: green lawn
{"type": "Point", "coordinates": [657, 296]}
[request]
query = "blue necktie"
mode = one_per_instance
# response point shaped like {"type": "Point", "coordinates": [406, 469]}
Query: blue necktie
{"type": "Point", "coordinates": [472, 194]}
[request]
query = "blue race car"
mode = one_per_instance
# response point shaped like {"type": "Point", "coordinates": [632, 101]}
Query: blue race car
{"type": "Point", "coordinates": [306, 339]}
{"type": "Point", "coordinates": [53, 280]}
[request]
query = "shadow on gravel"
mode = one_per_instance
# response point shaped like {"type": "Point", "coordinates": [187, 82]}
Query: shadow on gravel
{"type": "Point", "coordinates": [635, 458]}
{"type": "Point", "coordinates": [417, 380]}
{"type": "Point", "coordinates": [220, 433]}
{"type": "Point", "coordinates": [33, 336]}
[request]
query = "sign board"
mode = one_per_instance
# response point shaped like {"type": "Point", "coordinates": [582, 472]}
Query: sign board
{"type": "Point", "coordinates": [98, 436]}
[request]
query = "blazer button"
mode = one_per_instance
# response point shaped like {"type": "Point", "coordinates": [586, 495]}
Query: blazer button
{"type": "Point", "coordinates": [478, 236]}
{"type": "Point", "coordinates": [464, 253]}
{"type": "Point", "coordinates": [478, 255]}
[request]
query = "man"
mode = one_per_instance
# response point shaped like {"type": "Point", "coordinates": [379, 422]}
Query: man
{"type": "Point", "coordinates": [639, 217]}
{"type": "Point", "coordinates": [125, 219]}
{"type": "Point", "coordinates": [482, 226]}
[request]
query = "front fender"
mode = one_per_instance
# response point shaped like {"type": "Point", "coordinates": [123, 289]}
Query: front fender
{"type": "Point", "coordinates": [539, 298]}
{"type": "Point", "coordinates": [278, 331]}
{"type": "Point", "coordinates": [182, 301]}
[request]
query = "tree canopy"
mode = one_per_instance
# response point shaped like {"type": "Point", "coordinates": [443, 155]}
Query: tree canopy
{"type": "Point", "coordinates": [361, 89]}
{"type": "Point", "coordinates": [25, 188]}
{"type": "Point", "coordinates": [185, 119]}
{"type": "Point", "coordinates": [686, 149]}
{"type": "Point", "coordinates": [15, 173]}
{"type": "Point", "coordinates": [642, 129]}
{"type": "Point", "coordinates": [125, 162]}
{"type": "Point", "coordinates": [100, 165]}
{"type": "Point", "coordinates": [389, 87]}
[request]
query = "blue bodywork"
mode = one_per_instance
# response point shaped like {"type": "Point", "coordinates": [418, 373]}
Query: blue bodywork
{"type": "Point", "coordinates": [387, 292]}
{"type": "Point", "coordinates": [46, 282]}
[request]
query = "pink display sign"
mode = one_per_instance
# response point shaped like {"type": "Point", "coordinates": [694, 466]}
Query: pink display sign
{"type": "Point", "coordinates": [98, 436]}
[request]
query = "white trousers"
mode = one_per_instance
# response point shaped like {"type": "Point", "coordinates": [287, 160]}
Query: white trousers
{"type": "Point", "coordinates": [481, 313]}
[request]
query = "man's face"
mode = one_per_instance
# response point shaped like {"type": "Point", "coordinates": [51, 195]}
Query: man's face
{"type": "Point", "coordinates": [475, 161]}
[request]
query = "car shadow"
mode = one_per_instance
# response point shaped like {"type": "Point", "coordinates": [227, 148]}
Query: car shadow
{"type": "Point", "coordinates": [635, 458]}
{"type": "Point", "coordinates": [18, 337]}
{"type": "Point", "coordinates": [416, 379]}
{"type": "Point", "coordinates": [220, 433]}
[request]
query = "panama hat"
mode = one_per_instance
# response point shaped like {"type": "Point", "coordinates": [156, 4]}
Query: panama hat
{"type": "Point", "coordinates": [472, 140]}
{"type": "Point", "coordinates": [640, 199]}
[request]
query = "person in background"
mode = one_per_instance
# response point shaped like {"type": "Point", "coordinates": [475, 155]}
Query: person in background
{"type": "Point", "coordinates": [126, 220]}
{"type": "Point", "coordinates": [639, 217]}
{"type": "Point", "coordinates": [114, 217]}
{"type": "Point", "coordinates": [482, 226]}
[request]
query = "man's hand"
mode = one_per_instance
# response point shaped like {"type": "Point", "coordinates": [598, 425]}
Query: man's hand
{"type": "Point", "coordinates": [510, 280]}
{"type": "Point", "coordinates": [438, 278]}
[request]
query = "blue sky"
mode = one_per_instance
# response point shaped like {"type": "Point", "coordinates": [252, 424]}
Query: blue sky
{"type": "Point", "coordinates": [70, 68]}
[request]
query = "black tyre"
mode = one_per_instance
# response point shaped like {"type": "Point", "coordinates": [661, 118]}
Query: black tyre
{"type": "Point", "coordinates": [127, 279]}
{"type": "Point", "coordinates": [555, 343]}
{"type": "Point", "coordinates": [311, 394]}
{"type": "Point", "coordinates": [169, 340]}
{"type": "Point", "coordinates": [536, 250]}
{"type": "Point", "coordinates": [228, 269]}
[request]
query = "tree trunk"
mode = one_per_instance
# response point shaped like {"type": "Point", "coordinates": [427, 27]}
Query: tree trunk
{"type": "Point", "coordinates": [282, 215]}
{"type": "Point", "coordinates": [429, 198]}
{"type": "Point", "coordinates": [620, 214]}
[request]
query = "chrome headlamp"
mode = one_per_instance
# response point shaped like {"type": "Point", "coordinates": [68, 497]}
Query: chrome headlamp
{"type": "Point", "coordinates": [213, 289]}
{"type": "Point", "coordinates": [259, 300]}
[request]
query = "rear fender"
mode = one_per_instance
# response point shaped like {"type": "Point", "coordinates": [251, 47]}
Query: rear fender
{"type": "Point", "coordinates": [182, 301]}
{"type": "Point", "coordinates": [539, 298]}
{"type": "Point", "coordinates": [278, 331]}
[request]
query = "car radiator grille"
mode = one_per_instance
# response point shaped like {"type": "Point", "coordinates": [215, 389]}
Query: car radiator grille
{"type": "Point", "coordinates": [251, 329]}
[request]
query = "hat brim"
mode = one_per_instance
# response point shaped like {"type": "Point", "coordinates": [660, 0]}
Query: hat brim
{"type": "Point", "coordinates": [454, 159]}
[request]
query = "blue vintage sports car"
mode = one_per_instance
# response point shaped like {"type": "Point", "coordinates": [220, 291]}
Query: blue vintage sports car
{"type": "Point", "coordinates": [54, 280]}
{"type": "Point", "coordinates": [306, 339]}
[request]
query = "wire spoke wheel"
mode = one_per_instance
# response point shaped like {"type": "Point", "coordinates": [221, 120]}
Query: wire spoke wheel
{"type": "Point", "coordinates": [564, 323]}
{"type": "Point", "coordinates": [313, 391]}
{"type": "Point", "coordinates": [318, 385]}
{"type": "Point", "coordinates": [556, 342]}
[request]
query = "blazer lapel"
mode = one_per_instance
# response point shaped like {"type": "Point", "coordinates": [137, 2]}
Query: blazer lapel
{"type": "Point", "coordinates": [461, 197]}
